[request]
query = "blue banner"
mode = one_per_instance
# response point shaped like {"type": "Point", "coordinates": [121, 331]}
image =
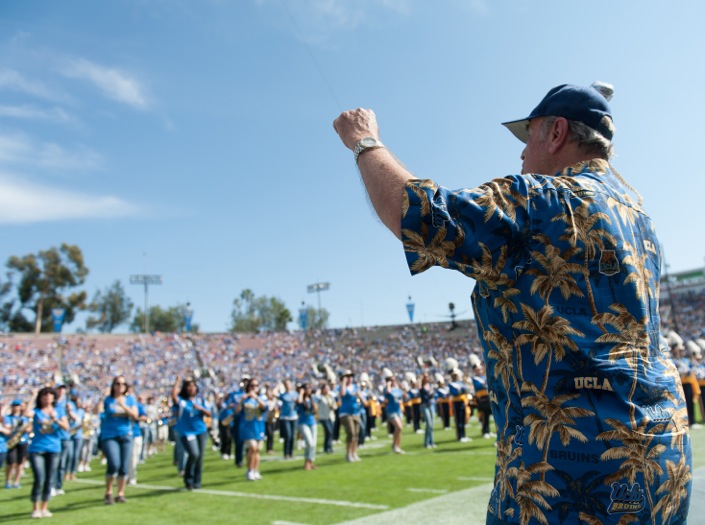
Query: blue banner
{"type": "Point", "coordinates": [188, 316]}
{"type": "Point", "coordinates": [410, 309]}
{"type": "Point", "coordinates": [57, 315]}
{"type": "Point", "coordinates": [303, 317]}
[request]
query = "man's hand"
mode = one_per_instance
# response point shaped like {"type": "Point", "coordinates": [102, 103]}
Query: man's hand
{"type": "Point", "coordinates": [356, 124]}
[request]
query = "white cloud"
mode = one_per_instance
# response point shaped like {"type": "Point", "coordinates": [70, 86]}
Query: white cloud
{"type": "Point", "coordinates": [22, 202]}
{"type": "Point", "coordinates": [114, 84]}
{"type": "Point", "coordinates": [20, 150]}
{"type": "Point", "coordinates": [11, 79]}
{"type": "Point", "coordinates": [30, 112]}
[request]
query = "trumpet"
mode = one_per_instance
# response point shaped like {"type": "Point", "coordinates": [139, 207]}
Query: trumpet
{"type": "Point", "coordinates": [16, 435]}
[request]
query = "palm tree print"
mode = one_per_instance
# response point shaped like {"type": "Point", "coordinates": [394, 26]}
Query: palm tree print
{"type": "Point", "coordinates": [556, 274]}
{"type": "Point", "coordinates": [531, 495]}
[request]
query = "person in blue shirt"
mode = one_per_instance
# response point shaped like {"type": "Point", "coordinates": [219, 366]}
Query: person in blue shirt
{"type": "Point", "coordinates": [349, 412]}
{"type": "Point", "coordinates": [119, 410]}
{"type": "Point", "coordinates": [307, 410]}
{"type": "Point", "coordinates": [394, 398]}
{"type": "Point", "coordinates": [5, 432]}
{"type": "Point", "coordinates": [19, 424]}
{"type": "Point", "coordinates": [427, 410]}
{"type": "Point", "coordinates": [137, 439]}
{"type": "Point", "coordinates": [78, 414]}
{"type": "Point", "coordinates": [252, 410]}
{"type": "Point", "coordinates": [288, 417]}
{"type": "Point", "coordinates": [233, 401]}
{"type": "Point", "coordinates": [63, 408]}
{"type": "Point", "coordinates": [191, 427]}
{"type": "Point", "coordinates": [44, 449]}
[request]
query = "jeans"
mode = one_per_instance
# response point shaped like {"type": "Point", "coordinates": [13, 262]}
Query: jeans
{"type": "Point", "coordinates": [427, 413]}
{"type": "Point", "coordinates": [64, 458]}
{"type": "Point", "coordinates": [76, 446]}
{"type": "Point", "coordinates": [238, 442]}
{"type": "Point", "coordinates": [117, 452]}
{"type": "Point", "coordinates": [363, 427]}
{"type": "Point", "coordinates": [309, 433]}
{"type": "Point", "coordinates": [327, 425]}
{"type": "Point", "coordinates": [44, 466]}
{"type": "Point", "coordinates": [288, 432]}
{"type": "Point", "coordinates": [195, 447]}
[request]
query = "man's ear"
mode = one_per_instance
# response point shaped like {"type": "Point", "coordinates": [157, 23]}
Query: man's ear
{"type": "Point", "coordinates": [558, 134]}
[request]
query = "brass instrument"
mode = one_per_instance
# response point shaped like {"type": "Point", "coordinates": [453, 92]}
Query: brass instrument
{"type": "Point", "coordinates": [16, 435]}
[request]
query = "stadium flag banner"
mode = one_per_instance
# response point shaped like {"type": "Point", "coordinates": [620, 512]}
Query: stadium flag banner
{"type": "Point", "coordinates": [57, 315]}
{"type": "Point", "coordinates": [410, 309]}
{"type": "Point", "coordinates": [303, 317]}
{"type": "Point", "coordinates": [188, 317]}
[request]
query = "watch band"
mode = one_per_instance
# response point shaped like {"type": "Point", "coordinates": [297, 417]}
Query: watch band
{"type": "Point", "coordinates": [366, 144]}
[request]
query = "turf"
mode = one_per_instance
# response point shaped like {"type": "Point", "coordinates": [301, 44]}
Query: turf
{"type": "Point", "coordinates": [334, 493]}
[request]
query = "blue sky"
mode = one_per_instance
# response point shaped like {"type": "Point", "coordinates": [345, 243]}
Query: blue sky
{"type": "Point", "coordinates": [193, 139]}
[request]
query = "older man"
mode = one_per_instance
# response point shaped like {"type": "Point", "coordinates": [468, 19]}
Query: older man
{"type": "Point", "coordinates": [592, 425]}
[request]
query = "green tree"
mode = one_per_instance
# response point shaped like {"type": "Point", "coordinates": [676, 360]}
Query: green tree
{"type": "Point", "coordinates": [253, 314]}
{"type": "Point", "coordinates": [161, 320]}
{"type": "Point", "coordinates": [44, 281]}
{"type": "Point", "coordinates": [112, 308]}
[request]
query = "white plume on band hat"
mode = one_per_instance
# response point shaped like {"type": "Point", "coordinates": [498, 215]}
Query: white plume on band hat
{"type": "Point", "coordinates": [474, 361]}
{"type": "Point", "coordinates": [386, 372]}
{"type": "Point", "coordinates": [451, 364]}
{"type": "Point", "coordinates": [410, 376]}
{"type": "Point", "coordinates": [364, 377]}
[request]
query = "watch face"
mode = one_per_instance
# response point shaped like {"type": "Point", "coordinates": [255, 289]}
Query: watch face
{"type": "Point", "coordinates": [368, 142]}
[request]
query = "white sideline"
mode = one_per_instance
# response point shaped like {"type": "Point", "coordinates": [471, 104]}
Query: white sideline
{"type": "Point", "coordinates": [317, 501]}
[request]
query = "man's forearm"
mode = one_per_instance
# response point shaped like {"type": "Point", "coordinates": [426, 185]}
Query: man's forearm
{"type": "Point", "coordinates": [385, 181]}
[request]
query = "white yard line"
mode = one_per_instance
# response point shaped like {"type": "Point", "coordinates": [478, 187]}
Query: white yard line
{"type": "Point", "coordinates": [251, 495]}
{"type": "Point", "coordinates": [431, 491]}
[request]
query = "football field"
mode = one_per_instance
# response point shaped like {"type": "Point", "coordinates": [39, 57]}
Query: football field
{"type": "Point", "coordinates": [449, 485]}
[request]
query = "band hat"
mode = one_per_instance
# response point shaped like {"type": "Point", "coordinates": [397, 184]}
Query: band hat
{"type": "Point", "coordinates": [583, 104]}
{"type": "Point", "coordinates": [16, 402]}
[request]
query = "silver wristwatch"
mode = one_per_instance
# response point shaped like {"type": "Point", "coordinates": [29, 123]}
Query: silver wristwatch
{"type": "Point", "coordinates": [365, 144]}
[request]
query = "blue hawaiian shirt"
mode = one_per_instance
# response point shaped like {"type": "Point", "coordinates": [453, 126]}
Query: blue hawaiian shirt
{"type": "Point", "coordinates": [591, 416]}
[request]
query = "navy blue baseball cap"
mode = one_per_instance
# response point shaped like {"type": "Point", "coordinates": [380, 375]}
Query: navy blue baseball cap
{"type": "Point", "coordinates": [583, 104]}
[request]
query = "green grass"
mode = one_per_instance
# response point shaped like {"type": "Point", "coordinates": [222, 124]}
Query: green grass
{"type": "Point", "coordinates": [381, 479]}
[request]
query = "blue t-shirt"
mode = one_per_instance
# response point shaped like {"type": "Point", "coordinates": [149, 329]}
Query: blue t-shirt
{"type": "Point", "coordinates": [306, 413]}
{"type": "Point", "coordinates": [116, 422]}
{"type": "Point", "coordinates": [61, 411]}
{"type": "Point", "coordinates": [232, 401]}
{"type": "Point", "coordinates": [288, 408]}
{"type": "Point", "coordinates": [394, 400]}
{"type": "Point", "coordinates": [46, 434]}
{"type": "Point", "coordinates": [190, 421]}
{"type": "Point", "coordinates": [349, 403]}
{"type": "Point", "coordinates": [252, 419]}
{"type": "Point", "coordinates": [77, 424]}
{"type": "Point", "coordinates": [136, 430]}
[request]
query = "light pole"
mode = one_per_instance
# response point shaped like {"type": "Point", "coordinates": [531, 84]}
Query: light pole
{"type": "Point", "coordinates": [318, 288]}
{"type": "Point", "coordinates": [146, 280]}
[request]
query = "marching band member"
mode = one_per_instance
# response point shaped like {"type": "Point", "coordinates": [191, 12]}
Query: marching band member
{"type": "Point", "coordinates": [225, 418]}
{"type": "Point", "coordinates": [137, 439]}
{"type": "Point", "coordinates": [307, 409]}
{"type": "Point", "coordinates": [326, 415]}
{"type": "Point", "coordinates": [45, 448]}
{"type": "Point", "coordinates": [19, 424]}
{"type": "Point", "coordinates": [414, 401]}
{"type": "Point", "coordinates": [443, 401]}
{"type": "Point", "coordinates": [482, 396]}
{"type": "Point", "coordinates": [5, 432]}
{"type": "Point", "coordinates": [349, 411]}
{"type": "Point", "coordinates": [288, 417]}
{"type": "Point", "coordinates": [459, 392]}
{"type": "Point", "coordinates": [234, 400]}
{"type": "Point", "coordinates": [192, 429]}
{"type": "Point", "coordinates": [63, 408]}
{"type": "Point", "coordinates": [427, 410]}
{"type": "Point", "coordinates": [252, 409]}
{"type": "Point", "coordinates": [116, 438]}
{"type": "Point", "coordinates": [78, 414]}
{"type": "Point", "coordinates": [272, 420]}
{"type": "Point", "coordinates": [394, 398]}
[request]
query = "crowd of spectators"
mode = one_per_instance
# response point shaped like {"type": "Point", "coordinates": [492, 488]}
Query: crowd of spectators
{"type": "Point", "coordinates": [151, 362]}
